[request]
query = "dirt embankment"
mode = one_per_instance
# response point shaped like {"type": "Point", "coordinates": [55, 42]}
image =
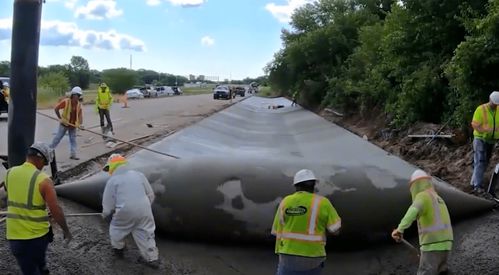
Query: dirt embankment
{"type": "Point", "coordinates": [450, 159]}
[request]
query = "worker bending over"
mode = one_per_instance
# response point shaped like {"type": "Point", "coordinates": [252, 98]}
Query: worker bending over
{"type": "Point", "coordinates": [300, 226]}
{"type": "Point", "coordinates": [71, 118]}
{"type": "Point", "coordinates": [434, 225]}
{"type": "Point", "coordinates": [486, 132]}
{"type": "Point", "coordinates": [29, 192]}
{"type": "Point", "coordinates": [127, 198]}
{"type": "Point", "coordinates": [103, 103]}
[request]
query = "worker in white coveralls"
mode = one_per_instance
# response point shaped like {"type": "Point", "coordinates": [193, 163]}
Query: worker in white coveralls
{"type": "Point", "coordinates": [127, 199]}
{"type": "Point", "coordinates": [300, 226]}
{"type": "Point", "coordinates": [434, 225]}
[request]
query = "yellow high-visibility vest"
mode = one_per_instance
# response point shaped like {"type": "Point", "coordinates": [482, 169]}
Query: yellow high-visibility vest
{"type": "Point", "coordinates": [27, 216]}
{"type": "Point", "coordinates": [104, 99]}
{"type": "Point", "coordinates": [301, 222]}
{"type": "Point", "coordinates": [487, 118]}
{"type": "Point", "coordinates": [434, 224]}
{"type": "Point", "coordinates": [66, 113]}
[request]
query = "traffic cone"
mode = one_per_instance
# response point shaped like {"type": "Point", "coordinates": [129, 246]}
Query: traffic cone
{"type": "Point", "coordinates": [124, 100]}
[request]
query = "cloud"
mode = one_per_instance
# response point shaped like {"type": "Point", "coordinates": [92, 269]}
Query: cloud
{"type": "Point", "coordinates": [283, 12]}
{"type": "Point", "coordinates": [153, 2]}
{"type": "Point", "coordinates": [58, 33]}
{"type": "Point", "coordinates": [98, 10]}
{"type": "Point", "coordinates": [187, 3]}
{"type": "Point", "coordinates": [70, 4]}
{"type": "Point", "coordinates": [207, 41]}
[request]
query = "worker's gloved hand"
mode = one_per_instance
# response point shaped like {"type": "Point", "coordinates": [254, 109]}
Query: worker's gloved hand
{"type": "Point", "coordinates": [397, 235]}
{"type": "Point", "coordinates": [107, 218]}
{"type": "Point", "coordinates": [67, 236]}
{"type": "Point", "coordinates": [82, 127]}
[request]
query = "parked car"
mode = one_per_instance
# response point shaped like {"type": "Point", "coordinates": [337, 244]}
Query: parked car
{"type": "Point", "coordinates": [240, 91]}
{"type": "Point", "coordinates": [222, 92]}
{"type": "Point", "coordinates": [148, 92]}
{"type": "Point", "coordinates": [4, 106]}
{"type": "Point", "coordinates": [177, 90]}
{"type": "Point", "coordinates": [134, 94]}
{"type": "Point", "coordinates": [165, 91]}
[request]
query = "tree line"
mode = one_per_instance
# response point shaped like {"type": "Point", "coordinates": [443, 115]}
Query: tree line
{"type": "Point", "coordinates": [60, 78]}
{"type": "Point", "coordinates": [413, 60]}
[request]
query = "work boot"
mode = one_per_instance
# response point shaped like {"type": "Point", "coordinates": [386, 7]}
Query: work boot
{"type": "Point", "coordinates": [118, 252]}
{"type": "Point", "coordinates": [152, 264]}
{"type": "Point", "coordinates": [74, 157]}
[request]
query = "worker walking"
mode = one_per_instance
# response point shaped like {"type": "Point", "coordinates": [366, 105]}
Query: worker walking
{"type": "Point", "coordinates": [103, 103]}
{"type": "Point", "coordinates": [295, 97]}
{"type": "Point", "coordinates": [486, 132]}
{"type": "Point", "coordinates": [29, 192]}
{"type": "Point", "coordinates": [127, 201]}
{"type": "Point", "coordinates": [70, 119]}
{"type": "Point", "coordinates": [300, 226]}
{"type": "Point", "coordinates": [434, 225]}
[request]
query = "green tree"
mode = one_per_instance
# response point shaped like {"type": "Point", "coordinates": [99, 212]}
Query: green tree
{"type": "Point", "coordinates": [4, 68]}
{"type": "Point", "coordinates": [119, 80]}
{"type": "Point", "coordinates": [79, 72]}
{"type": "Point", "coordinates": [55, 82]}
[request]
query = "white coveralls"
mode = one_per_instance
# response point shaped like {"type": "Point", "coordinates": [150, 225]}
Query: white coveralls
{"type": "Point", "coordinates": [130, 195]}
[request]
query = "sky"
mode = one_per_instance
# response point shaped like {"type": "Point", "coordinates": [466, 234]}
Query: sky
{"type": "Point", "coordinates": [228, 39]}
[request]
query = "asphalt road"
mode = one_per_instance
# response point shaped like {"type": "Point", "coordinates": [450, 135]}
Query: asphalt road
{"type": "Point", "coordinates": [163, 114]}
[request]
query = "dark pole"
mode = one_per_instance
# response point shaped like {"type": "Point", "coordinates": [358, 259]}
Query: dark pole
{"type": "Point", "coordinates": [24, 70]}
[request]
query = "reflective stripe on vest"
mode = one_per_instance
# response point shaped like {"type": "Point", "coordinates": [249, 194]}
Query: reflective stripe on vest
{"type": "Point", "coordinates": [66, 113]}
{"type": "Point", "coordinates": [29, 205]}
{"type": "Point", "coordinates": [311, 224]}
{"type": "Point", "coordinates": [27, 218]}
{"type": "Point", "coordinates": [438, 224]}
{"type": "Point", "coordinates": [301, 237]}
{"type": "Point", "coordinates": [437, 230]}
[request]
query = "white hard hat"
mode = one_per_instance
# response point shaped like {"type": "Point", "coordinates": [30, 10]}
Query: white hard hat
{"type": "Point", "coordinates": [494, 97]}
{"type": "Point", "coordinates": [44, 151]}
{"type": "Point", "coordinates": [419, 174]}
{"type": "Point", "coordinates": [76, 91]}
{"type": "Point", "coordinates": [303, 175]}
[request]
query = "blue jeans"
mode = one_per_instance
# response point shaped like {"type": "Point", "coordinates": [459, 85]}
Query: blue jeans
{"type": "Point", "coordinates": [482, 151]}
{"type": "Point", "coordinates": [282, 270]}
{"type": "Point", "coordinates": [30, 254]}
{"type": "Point", "coordinates": [60, 134]}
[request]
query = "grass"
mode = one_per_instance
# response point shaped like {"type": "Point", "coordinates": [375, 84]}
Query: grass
{"type": "Point", "coordinates": [198, 90]}
{"type": "Point", "coordinates": [266, 91]}
{"type": "Point", "coordinates": [47, 98]}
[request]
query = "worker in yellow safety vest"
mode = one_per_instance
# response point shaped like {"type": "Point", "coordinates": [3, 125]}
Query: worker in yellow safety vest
{"type": "Point", "coordinates": [71, 118]}
{"type": "Point", "coordinates": [300, 227]}
{"type": "Point", "coordinates": [29, 192]}
{"type": "Point", "coordinates": [486, 132]}
{"type": "Point", "coordinates": [434, 225]}
{"type": "Point", "coordinates": [103, 104]}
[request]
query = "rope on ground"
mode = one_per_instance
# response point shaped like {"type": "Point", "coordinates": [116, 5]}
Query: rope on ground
{"type": "Point", "coordinates": [120, 140]}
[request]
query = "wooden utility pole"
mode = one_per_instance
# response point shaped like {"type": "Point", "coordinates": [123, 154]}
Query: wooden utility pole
{"type": "Point", "coordinates": [23, 78]}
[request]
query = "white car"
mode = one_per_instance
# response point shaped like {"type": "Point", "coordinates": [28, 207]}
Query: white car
{"type": "Point", "coordinates": [165, 91]}
{"type": "Point", "coordinates": [134, 94]}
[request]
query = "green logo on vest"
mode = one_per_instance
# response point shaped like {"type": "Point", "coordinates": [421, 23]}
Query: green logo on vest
{"type": "Point", "coordinates": [296, 211]}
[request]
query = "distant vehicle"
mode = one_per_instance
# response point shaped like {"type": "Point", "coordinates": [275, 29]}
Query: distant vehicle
{"type": "Point", "coordinates": [4, 106]}
{"type": "Point", "coordinates": [240, 91]}
{"type": "Point", "coordinates": [134, 94]}
{"type": "Point", "coordinates": [177, 90]}
{"type": "Point", "coordinates": [254, 87]}
{"type": "Point", "coordinates": [222, 92]}
{"type": "Point", "coordinates": [148, 92]}
{"type": "Point", "coordinates": [5, 80]}
{"type": "Point", "coordinates": [164, 91]}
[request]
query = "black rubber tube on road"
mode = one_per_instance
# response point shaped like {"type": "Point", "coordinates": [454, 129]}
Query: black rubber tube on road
{"type": "Point", "coordinates": [23, 78]}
